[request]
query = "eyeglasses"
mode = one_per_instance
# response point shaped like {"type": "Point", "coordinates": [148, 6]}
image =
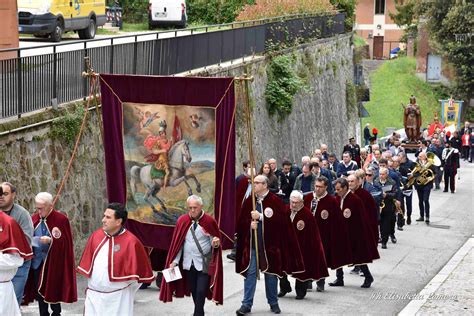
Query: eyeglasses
{"type": "Point", "coordinates": [320, 186]}
{"type": "Point", "coordinates": [369, 174]}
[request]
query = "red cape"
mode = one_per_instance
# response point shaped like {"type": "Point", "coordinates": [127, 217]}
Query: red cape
{"type": "Point", "coordinates": [180, 287]}
{"type": "Point", "coordinates": [127, 261]}
{"type": "Point", "coordinates": [333, 230]}
{"type": "Point", "coordinates": [57, 280]}
{"type": "Point", "coordinates": [280, 253]}
{"type": "Point", "coordinates": [12, 238]}
{"type": "Point", "coordinates": [360, 234]}
{"type": "Point", "coordinates": [310, 245]}
{"type": "Point", "coordinates": [370, 212]}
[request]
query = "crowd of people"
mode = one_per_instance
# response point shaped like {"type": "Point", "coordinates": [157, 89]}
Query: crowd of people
{"type": "Point", "coordinates": [301, 220]}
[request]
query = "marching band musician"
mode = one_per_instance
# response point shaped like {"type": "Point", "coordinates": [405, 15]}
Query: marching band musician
{"type": "Point", "coordinates": [450, 163]}
{"type": "Point", "coordinates": [388, 207]}
{"type": "Point", "coordinates": [424, 189]}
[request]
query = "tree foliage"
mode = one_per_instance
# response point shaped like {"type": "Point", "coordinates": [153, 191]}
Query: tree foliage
{"type": "Point", "coordinates": [450, 24]}
{"type": "Point", "coordinates": [215, 11]}
{"type": "Point", "coordinates": [348, 6]}
{"type": "Point", "coordinates": [272, 8]}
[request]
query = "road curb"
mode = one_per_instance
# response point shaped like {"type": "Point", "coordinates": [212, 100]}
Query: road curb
{"type": "Point", "coordinates": [415, 305]}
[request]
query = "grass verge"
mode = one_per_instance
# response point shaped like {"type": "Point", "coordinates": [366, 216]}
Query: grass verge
{"type": "Point", "coordinates": [391, 85]}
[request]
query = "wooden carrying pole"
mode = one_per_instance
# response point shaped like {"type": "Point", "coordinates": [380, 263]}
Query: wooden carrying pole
{"type": "Point", "coordinates": [248, 120]}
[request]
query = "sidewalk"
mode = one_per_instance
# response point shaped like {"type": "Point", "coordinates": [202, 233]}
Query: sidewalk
{"type": "Point", "coordinates": [451, 291]}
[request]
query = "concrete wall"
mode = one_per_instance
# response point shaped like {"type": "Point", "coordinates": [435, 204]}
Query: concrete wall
{"type": "Point", "coordinates": [34, 162]}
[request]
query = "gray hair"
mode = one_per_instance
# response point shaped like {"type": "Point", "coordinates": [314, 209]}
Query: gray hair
{"type": "Point", "coordinates": [264, 178]}
{"type": "Point", "coordinates": [297, 194]}
{"type": "Point", "coordinates": [44, 197]}
{"type": "Point", "coordinates": [194, 198]}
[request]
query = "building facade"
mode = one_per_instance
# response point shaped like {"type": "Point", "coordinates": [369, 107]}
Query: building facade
{"type": "Point", "coordinates": [373, 23]}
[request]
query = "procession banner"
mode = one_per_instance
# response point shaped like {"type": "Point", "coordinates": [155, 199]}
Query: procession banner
{"type": "Point", "coordinates": [451, 113]}
{"type": "Point", "coordinates": [164, 139]}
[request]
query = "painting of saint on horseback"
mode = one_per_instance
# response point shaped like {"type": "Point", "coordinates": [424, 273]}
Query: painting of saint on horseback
{"type": "Point", "coordinates": [169, 155]}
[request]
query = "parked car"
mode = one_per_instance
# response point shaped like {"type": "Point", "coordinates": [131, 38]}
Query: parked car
{"type": "Point", "coordinates": [52, 18]}
{"type": "Point", "coordinates": [167, 12]}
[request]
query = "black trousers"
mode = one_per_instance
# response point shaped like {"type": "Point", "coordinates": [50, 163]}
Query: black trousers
{"type": "Point", "coordinates": [449, 179]}
{"type": "Point", "coordinates": [424, 200]}
{"type": "Point", "coordinates": [363, 267]}
{"type": "Point", "coordinates": [407, 204]}
{"type": "Point", "coordinates": [43, 306]}
{"type": "Point", "coordinates": [387, 224]}
{"type": "Point", "coordinates": [199, 284]}
{"type": "Point", "coordinates": [438, 177]}
{"type": "Point", "coordinates": [300, 287]}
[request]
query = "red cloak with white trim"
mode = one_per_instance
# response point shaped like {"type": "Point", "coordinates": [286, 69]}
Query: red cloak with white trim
{"type": "Point", "coordinates": [180, 288]}
{"type": "Point", "coordinates": [279, 253]}
{"type": "Point", "coordinates": [128, 259]}
{"type": "Point", "coordinates": [57, 280]}
{"type": "Point", "coordinates": [310, 244]}
{"type": "Point", "coordinates": [333, 230]}
{"type": "Point", "coordinates": [12, 238]}
{"type": "Point", "coordinates": [360, 233]}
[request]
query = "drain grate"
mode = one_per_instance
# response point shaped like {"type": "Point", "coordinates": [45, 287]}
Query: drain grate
{"type": "Point", "coordinates": [440, 226]}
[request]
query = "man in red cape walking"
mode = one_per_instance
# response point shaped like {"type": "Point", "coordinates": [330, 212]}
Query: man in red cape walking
{"type": "Point", "coordinates": [52, 279]}
{"type": "Point", "coordinates": [114, 262]}
{"type": "Point", "coordinates": [332, 227]}
{"type": "Point", "coordinates": [278, 250]}
{"type": "Point", "coordinates": [195, 248]}
{"type": "Point", "coordinates": [14, 250]}
{"type": "Point", "coordinates": [310, 245]}
{"type": "Point", "coordinates": [362, 242]}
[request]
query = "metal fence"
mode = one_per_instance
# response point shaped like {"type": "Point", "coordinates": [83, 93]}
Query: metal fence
{"type": "Point", "coordinates": [29, 83]}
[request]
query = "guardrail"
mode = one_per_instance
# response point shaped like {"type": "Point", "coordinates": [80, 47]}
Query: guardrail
{"type": "Point", "coordinates": [43, 76]}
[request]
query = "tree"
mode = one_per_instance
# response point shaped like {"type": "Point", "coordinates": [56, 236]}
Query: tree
{"type": "Point", "coordinates": [450, 24]}
{"type": "Point", "coordinates": [348, 6]}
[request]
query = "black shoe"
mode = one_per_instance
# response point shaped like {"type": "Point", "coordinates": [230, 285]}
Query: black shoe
{"type": "Point", "coordinates": [408, 220]}
{"type": "Point", "coordinates": [393, 239]}
{"type": "Point", "coordinates": [445, 191]}
{"type": "Point", "coordinates": [275, 309]}
{"type": "Point", "coordinates": [231, 256]}
{"type": "Point", "coordinates": [283, 293]}
{"type": "Point", "coordinates": [337, 282]}
{"type": "Point", "coordinates": [427, 221]}
{"type": "Point", "coordinates": [299, 297]}
{"type": "Point", "coordinates": [320, 288]}
{"type": "Point", "coordinates": [384, 245]}
{"type": "Point", "coordinates": [452, 192]}
{"type": "Point", "coordinates": [367, 282]}
{"type": "Point", "coordinates": [144, 286]}
{"type": "Point", "coordinates": [356, 270]}
{"type": "Point", "coordinates": [420, 219]}
{"type": "Point", "coordinates": [400, 228]}
{"type": "Point", "coordinates": [243, 310]}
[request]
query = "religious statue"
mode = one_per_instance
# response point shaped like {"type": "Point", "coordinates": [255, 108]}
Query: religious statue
{"type": "Point", "coordinates": [412, 120]}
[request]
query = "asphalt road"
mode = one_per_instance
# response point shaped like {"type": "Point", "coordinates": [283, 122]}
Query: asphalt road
{"type": "Point", "coordinates": [404, 268]}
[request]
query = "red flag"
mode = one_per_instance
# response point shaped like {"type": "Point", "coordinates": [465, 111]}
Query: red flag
{"type": "Point", "coordinates": [177, 134]}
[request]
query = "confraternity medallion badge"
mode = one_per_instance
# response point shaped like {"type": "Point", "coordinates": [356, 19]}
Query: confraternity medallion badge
{"type": "Point", "coordinates": [56, 233]}
{"type": "Point", "coordinates": [324, 214]}
{"type": "Point", "coordinates": [268, 212]}
{"type": "Point", "coordinates": [116, 247]}
{"type": "Point", "coordinates": [347, 213]}
{"type": "Point", "coordinates": [300, 225]}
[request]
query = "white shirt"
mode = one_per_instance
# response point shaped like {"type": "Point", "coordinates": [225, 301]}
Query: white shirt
{"type": "Point", "coordinates": [9, 264]}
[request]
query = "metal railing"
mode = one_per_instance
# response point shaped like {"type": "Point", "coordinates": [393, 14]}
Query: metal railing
{"type": "Point", "coordinates": [52, 74]}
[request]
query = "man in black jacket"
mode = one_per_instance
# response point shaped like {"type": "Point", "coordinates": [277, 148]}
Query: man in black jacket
{"type": "Point", "coordinates": [450, 164]}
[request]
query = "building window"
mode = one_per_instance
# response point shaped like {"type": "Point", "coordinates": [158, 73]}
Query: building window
{"type": "Point", "coordinates": [379, 6]}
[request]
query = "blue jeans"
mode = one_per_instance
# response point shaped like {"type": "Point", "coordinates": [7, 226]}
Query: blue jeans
{"type": "Point", "coordinates": [250, 283]}
{"type": "Point", "coordinates": [19, 280]}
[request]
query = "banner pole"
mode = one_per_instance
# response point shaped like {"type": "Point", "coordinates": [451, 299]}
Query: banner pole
{"type": "Point", "coordinates": [248, 120]}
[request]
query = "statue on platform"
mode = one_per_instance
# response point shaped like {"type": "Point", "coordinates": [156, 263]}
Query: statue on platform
{"type": "Point", "coordinates": [412, 120]}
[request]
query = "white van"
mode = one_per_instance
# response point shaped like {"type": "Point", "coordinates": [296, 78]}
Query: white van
{"type": "Point", "coordinates": [167, 12]}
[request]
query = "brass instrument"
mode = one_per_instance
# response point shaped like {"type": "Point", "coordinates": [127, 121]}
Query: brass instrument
{"type": "Point", "coordinates": [422, 175]}
{"type": "Point", "coordinates": [382, 205]}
